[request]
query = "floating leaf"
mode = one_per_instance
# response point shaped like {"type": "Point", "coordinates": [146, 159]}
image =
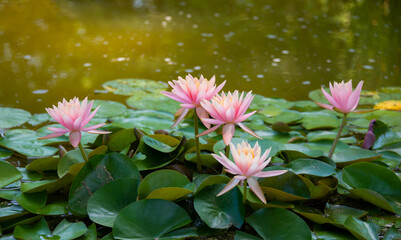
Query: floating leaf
{"type": "Point", "coordinates": [98, 171]}
{"type": "Point", "coordinates": [286, 116]}
{"type": "Point", "coordinates": [43, 164]}
{"type": "Point", "coordinates": [319, 120]}
{"type": "Point", "coordinates": [108, 108]}
{"type": "Point", "coordinates": [5, 153]}
{"type": "Point", "coordinates": [12, 117]}
{"type": "Point", "coordinates": [26, 142]}
{"type": "Point", "coordinates": [165, 184]}
{"type": "Point", "coordinates": [11, 212]}
{"type": "Point", "coordinates": [362, 230]}
{"type": "Point", "coordinates": [90, 234]}
{"type": "Point", "coordinates": [32, 232]}
{"type": "Point", "coordinates": [220, 212]}
{"type": "Point", "coordinates": [203, 180]}
{"type": "Point", "coordinates": [244, 236]}
{"type": "Point", "coordinates": [284, 187]}
{"type": "Point", "coordinates": [375, 184]}
{"type": "Point", "coordinates": [68, 231]}
{"type": "Point", "coordinates": [353, 155]}
{"type": "Point", "coordinates": [48, 185]}
{"type": "Point", "coordinates": [36, 203]}
{"type": "Point", "coordinates": [152, 101]}
{"type": "Point", "coordinates": [311, 167]}
{"type": "Point", "coordinates": [109, 200]}
{"type": "Point", "coordinates": [70, 159]}
{"type": "Point", "coordinates": [138, 219]}
{"type": "Point", "coordinates": [8, 174]}
{"type": "Point", "coordinates": [40, 118]}
{"type": "Point", "coordinates": [133, 86]}
{"type": "Point", "coordinates": [278, 223]}
{"type": "Point", "coordinates": [121, 139]}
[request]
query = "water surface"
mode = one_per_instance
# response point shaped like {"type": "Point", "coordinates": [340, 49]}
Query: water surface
{"type": "Point", "coordinates": [53, 49]}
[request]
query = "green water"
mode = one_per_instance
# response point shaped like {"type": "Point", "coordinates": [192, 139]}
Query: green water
{"type": "Point", "coordinates": [53, 49]}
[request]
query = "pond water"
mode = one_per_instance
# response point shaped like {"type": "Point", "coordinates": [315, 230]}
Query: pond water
{"type": "Point", "coordinates": [53, 49]}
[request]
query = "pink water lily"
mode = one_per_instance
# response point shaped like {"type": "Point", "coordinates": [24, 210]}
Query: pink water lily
{"type": "Point", "coordinates": [342, 98]}
{"type": "Point", "coordinates": [228, 110]}
{"type": "Point", "coordinates": [73, 116]}
{"type": "Point", "coordinates": [248, 164]}
{"type": "Point", "coordinates": [190, 92]}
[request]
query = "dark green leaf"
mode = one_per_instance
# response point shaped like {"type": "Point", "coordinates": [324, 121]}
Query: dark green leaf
{"type": "Point", "coordinates": [8, 174]}
{"type": "Point", "coordinates": [12, 117]}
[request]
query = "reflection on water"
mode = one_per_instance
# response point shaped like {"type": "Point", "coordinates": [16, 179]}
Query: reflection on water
{"type": "Point", "coordinates": [51, 49]}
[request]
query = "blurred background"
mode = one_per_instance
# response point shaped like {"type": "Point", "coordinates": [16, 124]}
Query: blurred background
{"type": "Point", "coordinates": [50, 49]}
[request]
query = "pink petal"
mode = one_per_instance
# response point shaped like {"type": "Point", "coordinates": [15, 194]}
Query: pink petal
{"type": "Point", "coordinates": [86, 120]}
{"type": "Point", "coordinates": [212, 121]}
{"type": "Point", "coordinates": [327, 106]}
{"type": "Point", "coordinates": [234, 182]}
{"type": "Point", "coordinates": [98, 132]}
{"type": "Point", "coordinates": [263, 174]}
{"type": "Point", "coordinates": [208, 131]}
{"type": "Point", "coordinates": [58, 130]}
{"type": "Point", "coordinates": [244, 117]}
{"type": "Point", "coordinates": [75, 138]}
{"type": "Point", "coordinates": [202, 114]}
{"type": "Point", "coordinates": [77, 123]}
{"type": "Point", "coordinates": [354, 98]}
{"type": "Point", "coordinates": [246, 129]}
{"type": "Point", "coordinates": [93, 127]}
{"type": "Point", "coordinates": [228, 133]}
{"type": "Point", "coordinates": [330, 99]}
{"type": "Point", "coordinates": [179, 119]}
{"type": "Point", "coordinates": [227, 163]}
{"type": "Point", "coordinates": [173, 96]}
{"type": "Point", "coordinates": [52, 135]}
{"type": "Point", "coordinates": [230, 115]}
{"type": "Point", "coordinates": [254, 185]}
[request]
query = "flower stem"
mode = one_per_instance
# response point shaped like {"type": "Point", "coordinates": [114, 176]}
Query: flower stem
{"type": "Point", "coordinates": [338, 136]}
{"type": "Point", "coordinates": [227, 151]}
{"type": "Point", "coordinates": [245, 189]}
{"type": "Point", "coordinates": [198, 156]}
{"type": "Point", "coordinates": [83, 152]}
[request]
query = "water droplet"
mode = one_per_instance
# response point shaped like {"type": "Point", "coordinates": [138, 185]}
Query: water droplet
{"type": "Point", "coordinates": [40, 91]}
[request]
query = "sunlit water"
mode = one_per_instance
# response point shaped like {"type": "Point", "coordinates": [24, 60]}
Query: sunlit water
{"type": "Point", "coordinates": [53, 49]}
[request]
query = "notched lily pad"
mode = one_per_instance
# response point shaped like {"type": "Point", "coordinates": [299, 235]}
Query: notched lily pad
{"type": "Point", "coordinates": [13, 117]}
{"type": "Point", "coordinates": [131, 86]}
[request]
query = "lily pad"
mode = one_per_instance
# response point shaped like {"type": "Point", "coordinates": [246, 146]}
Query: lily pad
{"type": "Point", "coordinates": [375, 184]}
{"type": "Point", "coordinates": [152, 101]}
{"type": "Point", "coordinates": [120, 140]}
{"type": "Point", "coordinates": [68, 231]}
{"type": "Point", "coordinates": [220, 212]}
{"type": "Point", "coordinates": [362, 230]}
{"type": "Point", "coordinates": [98, 171]}
{"type": "Point", "coordinates": [109, 200]}
{"type": "Point", "coordinates": [69, 160]}
{"type": "Point", "coordinates": [44, 164]}
{"type": "Point", "coordinates": [13, 117]}
{"type": "Point", "coordinates": [165, 184]}
{"type": "Point", "coordinates": [33, 232]}
{"type": "Point", "coordinates": [48, 185]}
{"type": "Point", "coordinates": [130, 87]}
{"type": "Point", "coordinates": [5, 153]}
{"type": "Point", "coordinates": [137, 220]}
{"type": "Point", "coordinates": [284, 187]}
{"type": "Point", "coordinates": [286, 116]}
{"type": "Point", "coordinates": [203, 180]}
{"type": "Point", "coordinates": [26, 142]}
{"type": "Point", "coordinates": [311, 167]}
{"type": "Point", "coordinates": [353, 155]}
{"type": "Point", "coordinates": [278, 223]}
{"type": "Point", "coordinates": [319, 120]}
{"type": "Point", "coordinates": [8, 174]}
{"type": "Point", "coordinates": [108, 108]}
{"type": "Point", "coordinates": [11, 212]}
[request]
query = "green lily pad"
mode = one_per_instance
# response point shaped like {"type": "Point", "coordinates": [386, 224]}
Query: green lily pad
{"type": "Point", "coordinates": [32, 232]}
{"type": "Point", "coordinates": [143, 123]}
{"type": "Point", "coordinates": [353, 155]}
{"type": "Point", "coordinates": [69, 160]}
{"type": "Point", "coordinates": [392, 233]}
{"type": "Point", "coordinates": [44, 164]}
{"type": "Point", "coordinates": [90, 234]}
{"type": "Point", "coordinates": [11, 212]}
{"type": "Point", "coordinates": [8, 174]}
{"type": "Point", "coordinates": [153, 101]}
{"type": "Point", "coordinates": [98, 171]}
{"type": "Point", "coordinates": [220, 212]}
{"type": "Point", "coordinates": [278, 223]}
{"type": "Point", "coordinates": [68, 231]}
{"type": "Point", "coordinates": [13, 117]}
{"type": "Point", "coordinates": [387, 139]}
{"type": "Point", "coordinates": [26, 142]}
{"type": "Point", "coordinates": [324, 232]}
{"type": "Point", "coordinates": [311, 167]}
{"type": "Point", "coordinates": [36, 203]}
{"type": "Point", "coordinates": [165, 184]}
{"type": "Point", "coordinates": [120, 140]}
{"type": "Point", "coordinates": [40, 118]}
{"type": "Point", "coordinates": [286, 116]}
{"type": "Point", "coordinates": [137, 220]}
{"type": "Point", "coordinates": [375, 184]}
{"type": "Point", "coordinates": [130, 87]}
{"type": "Point", "coordinates": [362, 230]}
{"type": "Point", "coordinates": [305, 106]}
{"type": "Point", "coordinates": [49, 185]}
{"type": "Point", "coordinates": [5, 153]}
{"type": "Point", "coordinates": [109, 200]}
{"type": "Point", "coordinates": [244, 236]}
{"type": "Point", "coordinates": [319, 120]}
{"type": "Point", "coordinates": [159, 150]}
{"type": "Point", "coordinates": [108, 108]}
{"type": "Point", "coordinates": [284, 187]}
{"type": "Point", "coordinates": [203, 180]}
